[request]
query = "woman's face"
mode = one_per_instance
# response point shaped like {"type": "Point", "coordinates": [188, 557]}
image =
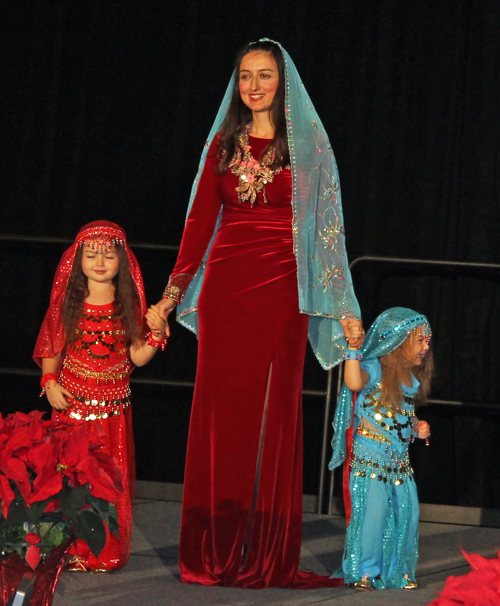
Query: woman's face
{"type": "Point", "coordinates": [258, 80]}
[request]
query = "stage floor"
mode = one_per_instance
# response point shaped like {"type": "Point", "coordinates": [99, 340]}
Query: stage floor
{"type": "Point", "coordinates": [152, 577]}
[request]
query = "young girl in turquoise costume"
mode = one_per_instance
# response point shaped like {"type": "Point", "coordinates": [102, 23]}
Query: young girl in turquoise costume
{"type": "Point", "coordinates": [382, 381]}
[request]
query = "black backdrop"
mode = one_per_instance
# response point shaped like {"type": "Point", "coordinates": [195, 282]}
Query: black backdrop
{"type": "Point", "coordinates": [106, 106]}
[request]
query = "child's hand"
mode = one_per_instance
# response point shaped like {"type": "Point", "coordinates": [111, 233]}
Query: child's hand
{"type": "Point", "coordinates": [423, 430]}
{"type": "Point", "coordinates": [156, 323]}
{"type": "Point", "coordinates": [355, 334]}
{"type": "Point", "coordinates": [58, 396]}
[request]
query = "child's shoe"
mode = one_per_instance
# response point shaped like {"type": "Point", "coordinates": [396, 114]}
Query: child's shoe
{"type": "Point", "coordinates": [409, 583]}
{"type": "Point", "coordinates": [364, 585]}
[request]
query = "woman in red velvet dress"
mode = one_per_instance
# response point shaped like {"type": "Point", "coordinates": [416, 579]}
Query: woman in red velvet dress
{"type": "Point", "coordinates": [88, 345]}
{"type": "Point", "coordinates": [242, 503]}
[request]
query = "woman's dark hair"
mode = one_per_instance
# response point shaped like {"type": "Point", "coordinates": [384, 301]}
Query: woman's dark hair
{"type": "Point", "coordinates": [239, 115]}
{"type": "Point", "coordinates": [126, 298]}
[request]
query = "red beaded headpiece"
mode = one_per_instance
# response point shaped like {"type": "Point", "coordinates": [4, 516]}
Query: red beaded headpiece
{"type": "Point", "coordinates": [99, 235]}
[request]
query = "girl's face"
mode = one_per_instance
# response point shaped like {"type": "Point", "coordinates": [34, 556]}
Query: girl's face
{"type": "Point", "coordinates": [416, 346]}
{"type": "Point", "coordinates": [258, 80]}
{"type": "Point", "coordinates": [100, 267]}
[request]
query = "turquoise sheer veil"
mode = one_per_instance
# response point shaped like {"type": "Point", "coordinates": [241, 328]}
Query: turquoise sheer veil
{"type": "Point", "coordinates": [389, 330]}
{"type": "Point", "coordinates": [324, 281]}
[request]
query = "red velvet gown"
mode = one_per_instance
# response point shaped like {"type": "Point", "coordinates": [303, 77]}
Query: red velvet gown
{"type": "Point", "coordinates": [242, 504]}
{"type": "Point", "coordinates": [96, 369]}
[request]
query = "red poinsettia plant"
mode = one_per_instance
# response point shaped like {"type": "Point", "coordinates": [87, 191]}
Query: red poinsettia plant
{"type": "Point", "coordinates": [55, 483]}
{"type": "Point", "coordinates": [480, 587]}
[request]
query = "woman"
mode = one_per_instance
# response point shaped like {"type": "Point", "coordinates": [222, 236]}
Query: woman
{"type": "Point", "coordinates": [249, 294]}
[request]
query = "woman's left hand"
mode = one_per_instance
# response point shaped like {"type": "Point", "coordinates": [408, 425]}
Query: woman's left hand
{"type": "Point", "coordinates": [423, 430]}
{"type": "Point", "coordinates": [354, 332]}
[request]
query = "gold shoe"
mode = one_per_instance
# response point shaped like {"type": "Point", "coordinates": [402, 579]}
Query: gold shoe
{"type": "Point", "coordinates": [409, 583]}
{"type": "Point", "coordinates": [364, 585]}
{"type": "Point", "coordinates": [76, 564]}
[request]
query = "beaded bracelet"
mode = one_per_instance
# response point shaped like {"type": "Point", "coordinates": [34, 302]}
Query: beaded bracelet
{"type": "Point", "coordinates": [151, 341]}
{"type": "Point", "coordinates": [352, 354]}
{"type": "Point", "coordinates": [48, 376]}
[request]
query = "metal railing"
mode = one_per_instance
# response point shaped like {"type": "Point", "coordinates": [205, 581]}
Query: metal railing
{"type": "Point", "coordinates": [328, 402]}
{"type": "Point", "coordinates": [326, 394]}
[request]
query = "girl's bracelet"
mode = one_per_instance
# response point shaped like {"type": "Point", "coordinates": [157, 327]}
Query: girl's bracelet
{"type": "Point", "coordinates": [352, 354]}
{"type": "Point", "coordinates": [151, 341]}
{"type": "Point", "coordinates": [48, 376]}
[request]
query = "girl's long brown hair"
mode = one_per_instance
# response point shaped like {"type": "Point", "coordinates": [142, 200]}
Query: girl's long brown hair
{"type": "Point", "coordinates": [239, 115]}
{"type": "Point", "coordinates": [394, 364]}
{"type": "Point", "coordinates": [126, 298]}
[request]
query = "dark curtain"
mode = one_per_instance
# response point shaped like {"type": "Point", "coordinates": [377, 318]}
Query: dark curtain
{"type": "Point", "coordinates": [106, 106]}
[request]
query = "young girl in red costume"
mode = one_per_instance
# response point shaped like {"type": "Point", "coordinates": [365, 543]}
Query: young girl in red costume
{"type": "Point", "coordinates": [90, 341]}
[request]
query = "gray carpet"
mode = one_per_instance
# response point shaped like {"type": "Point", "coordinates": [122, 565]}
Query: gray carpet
{"type": "Point", "coordinates": [152, 578]}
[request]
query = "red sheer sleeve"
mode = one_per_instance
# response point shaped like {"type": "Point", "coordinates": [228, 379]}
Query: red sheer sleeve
{"type": "Point", "coordinates": [199, 229]}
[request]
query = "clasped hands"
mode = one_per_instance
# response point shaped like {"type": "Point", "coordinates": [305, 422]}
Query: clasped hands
{"type": "Point", "coordinates": [353, 332]}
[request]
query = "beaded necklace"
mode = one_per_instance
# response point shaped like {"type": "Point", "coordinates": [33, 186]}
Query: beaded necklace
{"type": "Point", "coordinates": [253, 175]}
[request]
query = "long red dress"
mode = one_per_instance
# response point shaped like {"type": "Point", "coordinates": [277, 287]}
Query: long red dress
{"type": "Point", "coordinates": [242, 504]}
{"type": "Point", "coordinates": [96, 369]}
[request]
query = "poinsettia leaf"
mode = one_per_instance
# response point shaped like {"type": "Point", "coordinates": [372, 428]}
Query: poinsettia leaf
{"type": "Point", "coordinates": [108, 512]}
{"type": "Point", "coordinates": [100, 505]}
{"type": "Point", "coordinates": [91, 529]}
{"type": "Point", "coordinates": [33, 556]}
{"type": "Point", "coordinates": [32, 538]}
{"type": "Point", "coordinates": [72, 499]}
{"type": "Point", "coordinates": [44, 528]}
{"type": "Point", "coordinates": [113, 526]}
{"type": "Point", "coordinates": [18, 511]}
{"type": "Point", "coordinates": [36, 510]}
{"type": "Point", "coordinates": [56, 536]}
{"type": "Point", "coordinates": [6, 494]}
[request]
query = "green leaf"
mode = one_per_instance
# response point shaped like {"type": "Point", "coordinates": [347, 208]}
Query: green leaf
{"type": "Point", "coordinates": [55, 536]}
{"type": "Point", "coordinates": [18, 512]}
{"type": "Point", "coordinates": [100, 505]}
{"type": "Point", "coordinates": [37, 509]}
{"type": "Point", "coordinates": [91, 529]}
{"type": "Point", "coordinates": [113, 527]}
{"type": "Point", "coordinates": [72, 499]}
{"type": "Point", "coordinates": [44, 528]}
{"type": "Point", "coordinates": [108, 512]}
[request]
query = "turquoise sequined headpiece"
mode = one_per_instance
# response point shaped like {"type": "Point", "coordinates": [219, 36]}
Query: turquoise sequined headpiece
{"type": "Point", "coordinates": [387, 333]}
{"type": "Point", "coordinates": [390, 329]}
{"type": "Point", "coordinates": [324, 281]}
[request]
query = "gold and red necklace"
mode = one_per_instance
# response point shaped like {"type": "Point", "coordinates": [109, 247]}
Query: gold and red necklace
{"type": "Point", "coordinates": [253, 175]}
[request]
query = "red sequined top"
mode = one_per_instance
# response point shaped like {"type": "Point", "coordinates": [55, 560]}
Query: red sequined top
{"type": "Point", "coordinates": [97, 366]}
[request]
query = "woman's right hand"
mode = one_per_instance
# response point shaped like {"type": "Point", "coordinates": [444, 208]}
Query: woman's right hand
{"type": "Point", "coordinates": [58, 396]}
{"type": "Point", "coordinates": [163, 308]}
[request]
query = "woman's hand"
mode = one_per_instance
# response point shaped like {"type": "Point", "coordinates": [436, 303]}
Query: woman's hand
{"type": "Point", "coordinates": [165, 307]}
{"type": "Point", "coordinates": [157, 324]}
{"type": "Point", "coordinates": [354, 333]}
{"type": "Point", "coordinates": [423, 430]}
{"type": "Point", "coordinates": [58, 396]}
